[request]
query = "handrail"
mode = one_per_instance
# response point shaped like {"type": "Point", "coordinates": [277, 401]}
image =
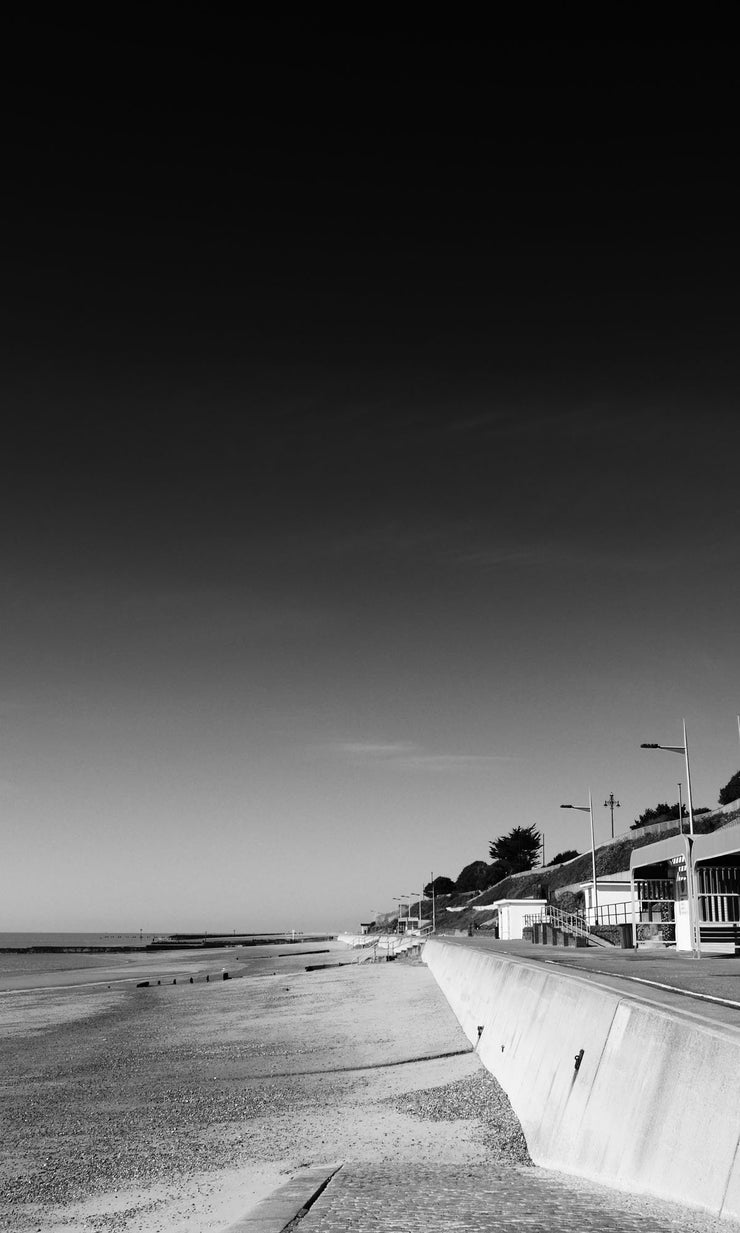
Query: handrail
{"type": "Point", "coordinates": [570, 922]}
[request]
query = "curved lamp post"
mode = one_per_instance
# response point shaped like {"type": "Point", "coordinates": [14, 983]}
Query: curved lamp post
{"type": "Point", "coordinates": [679, 749]}
{"type": "Point", "coordinates": [401, 917]}
{"type": "Point", "coordinates": [693, 899]}
{"type": "Point", "coordinates": [411, 899]}
{"type": "Point", "coordinates": [589, 809]}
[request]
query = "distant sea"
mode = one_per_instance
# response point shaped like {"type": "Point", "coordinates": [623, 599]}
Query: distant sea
{"type": "Point", "coordinates": [14, 941]}
{"type": "Point", "coordinates": [23, 963]}
{"type": "Point", "coordinates": [25, 969]}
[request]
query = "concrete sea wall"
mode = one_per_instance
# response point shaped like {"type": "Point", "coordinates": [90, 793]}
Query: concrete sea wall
{"type": "Point", "coordinates": [652, 1106]}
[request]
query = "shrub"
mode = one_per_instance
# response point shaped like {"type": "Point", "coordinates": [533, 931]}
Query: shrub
{"type": "Point", "coordinates": [731, 790]}
{"type": "Point", "coordinates": [562, 857]}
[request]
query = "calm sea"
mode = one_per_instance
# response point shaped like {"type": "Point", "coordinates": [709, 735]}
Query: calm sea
{"type": "Point", "coordinates": [16, 965]}
{"type": "Point", "coordinates": [16, 940]}
{"type": "Point", "coordinates": [28, 969]}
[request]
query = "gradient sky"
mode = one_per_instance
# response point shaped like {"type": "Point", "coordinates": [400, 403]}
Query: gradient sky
{"type": "Point", "coordinates": [369, 466]}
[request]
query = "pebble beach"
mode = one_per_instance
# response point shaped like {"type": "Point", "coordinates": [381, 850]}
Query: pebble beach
{"type": "Point", "coordinates": [181, 1106]}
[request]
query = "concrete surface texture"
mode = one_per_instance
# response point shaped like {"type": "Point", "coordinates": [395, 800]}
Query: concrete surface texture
{"type": "Point", "coordinates": [651, 1105]}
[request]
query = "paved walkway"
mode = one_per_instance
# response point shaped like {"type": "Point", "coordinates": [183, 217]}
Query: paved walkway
{"type": "Point", "coordinates": [479, 1199]}
{"type": "Point", "coordinates": [708, 987]}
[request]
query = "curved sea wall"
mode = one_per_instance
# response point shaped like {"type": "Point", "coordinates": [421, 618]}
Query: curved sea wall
{"type": "Point", "coordinates": [652, 1105]}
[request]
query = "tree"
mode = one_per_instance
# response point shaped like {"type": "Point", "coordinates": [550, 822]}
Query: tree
{"type": "Point", "coordinates": [731, 790]}
{"type": "Point", "coordinates": [517, 851]}
{"type": "Point", "coordinates": [662, 812]}
{"type": "Point", "coordinates": [562, 857]}
{"type": "Point", "coordinates": [440, 886]}
{"type": "Point", "coordinates": [477, 876]}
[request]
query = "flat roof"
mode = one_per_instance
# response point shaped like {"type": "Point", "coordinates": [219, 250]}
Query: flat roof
{"type": "Point", "coordinates": [724, 842]}
{"type": "Point", "coordinates": [504, 903]}
{"type": "Point", "coordinates": [663, 850]}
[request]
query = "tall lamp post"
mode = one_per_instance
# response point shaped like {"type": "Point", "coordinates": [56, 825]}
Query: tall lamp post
{"type": "Point", "coordinates": [589, 809]}
{"type": "Point", "coordinates": [410, 899]}
{"type": "Point", "coordinates": [690, 879]}
{"type": "Point", "coordinates": [611, 804]}
{"type": "Point", "coordinates": [400, 903]}
{"type": "Point", "coordinates": [679, 749]}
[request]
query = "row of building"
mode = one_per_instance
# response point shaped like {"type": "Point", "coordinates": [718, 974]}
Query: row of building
{"type": "Point", "coordinates": [681, 892]}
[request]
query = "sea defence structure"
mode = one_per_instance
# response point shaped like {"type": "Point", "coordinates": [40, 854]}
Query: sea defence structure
{"type": "Point", "coordinates": [604, 1083]}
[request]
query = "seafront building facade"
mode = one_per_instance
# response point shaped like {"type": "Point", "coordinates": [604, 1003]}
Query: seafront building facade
{"type": "Point", "coordinates": [686, 892]}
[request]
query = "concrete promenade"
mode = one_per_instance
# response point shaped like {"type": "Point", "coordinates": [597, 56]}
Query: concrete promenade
{"type": "Point", "coordinates": [708, 988]}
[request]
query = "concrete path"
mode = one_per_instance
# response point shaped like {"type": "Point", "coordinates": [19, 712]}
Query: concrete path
{"type": "Point", "coordinates": [480, 1199]}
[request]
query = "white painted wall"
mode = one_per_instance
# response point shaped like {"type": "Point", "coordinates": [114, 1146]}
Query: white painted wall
{"type": "Point", "coordinates": [511, 914]}
{"type": "Point", "coordinates": [609, 891]}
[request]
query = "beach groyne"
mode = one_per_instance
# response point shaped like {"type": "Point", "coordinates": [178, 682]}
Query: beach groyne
{"type": "Point", "coordinates": [605, 1086]}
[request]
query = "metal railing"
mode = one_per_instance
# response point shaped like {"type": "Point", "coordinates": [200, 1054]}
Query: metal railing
{"type": "Point", "coordinates": [723, 909]}
{"type": "Point", "coordinates": [615, 913]}
{"type": "Point", "coordinates": [573, 923]}
{"type": "Point", "coordinates": [569, 922]}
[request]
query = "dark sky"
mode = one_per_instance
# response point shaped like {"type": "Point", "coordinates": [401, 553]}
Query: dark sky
{"type": "Point", "coordinates": [369, 459]}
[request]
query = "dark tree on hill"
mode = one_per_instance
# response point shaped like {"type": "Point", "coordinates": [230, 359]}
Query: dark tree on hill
{"type": "Point", "coordinates": [562, 857]}
{"type": "Point", "coordinates": [731, 790]}
{"type": "Point", "coordinates": [476, 876]}
{"type": "Point", "coordinates": [663, 812]}
{"type": "Point", "coordinates": [440, 886]}
{"type": "Point", "coordinates": [517, 851]}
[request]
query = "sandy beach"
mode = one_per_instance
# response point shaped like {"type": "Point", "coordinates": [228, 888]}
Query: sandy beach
{"type": "Point", "coordinates": [179, 1107]}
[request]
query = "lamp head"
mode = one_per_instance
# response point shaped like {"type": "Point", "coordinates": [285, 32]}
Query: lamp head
{"type": "Point", "coordinates": [651, 745]}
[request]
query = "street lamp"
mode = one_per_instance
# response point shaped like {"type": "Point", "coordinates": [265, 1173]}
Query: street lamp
{"type": "Point", "coordinates": [679, 749]}
{"type": "Point", "coordinates": [693, 900]}
{"type": "Point", "coordinates": [610, 803]}
{"type": "Point", "coordinates": [409, 917]}
{"type": "Point", "coordinates": [589, 809]}
{"type": "Point", "coordinates": [400, 903]}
